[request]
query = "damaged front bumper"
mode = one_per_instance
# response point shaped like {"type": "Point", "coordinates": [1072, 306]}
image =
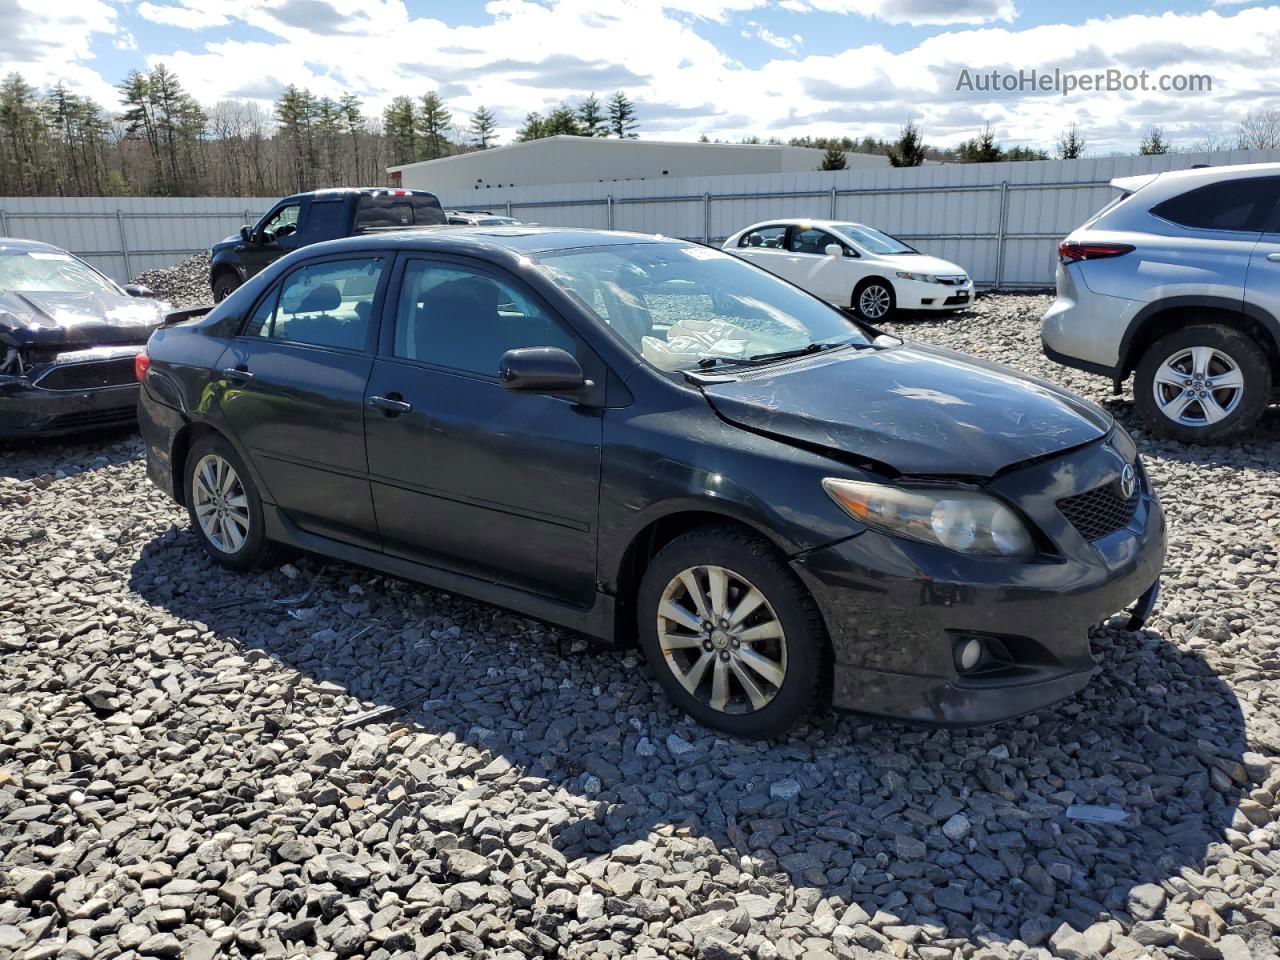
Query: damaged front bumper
{"type": "Point", "coordinates": [78, 390]}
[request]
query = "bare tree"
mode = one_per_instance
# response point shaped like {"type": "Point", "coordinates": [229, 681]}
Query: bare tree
{"type": "Point", "coordinates": [1260, 130]}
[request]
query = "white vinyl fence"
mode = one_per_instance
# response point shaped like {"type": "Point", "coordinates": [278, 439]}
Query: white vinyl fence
{"type": "Point", "coordinates": [1000, 221]}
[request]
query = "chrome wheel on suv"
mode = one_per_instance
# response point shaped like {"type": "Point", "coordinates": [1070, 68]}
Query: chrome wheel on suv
{"type": "Point", "coordinates": [1202, 383]}
{"type": "Point", "coordinates": [722, 639]}
{"type": "Point", "coordinates": [1197, 386]}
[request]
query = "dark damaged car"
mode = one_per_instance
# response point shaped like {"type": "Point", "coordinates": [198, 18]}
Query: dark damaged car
{"type": "Point", "coordinates": [68, 339]}
{"type": "Point", "coordinates": [645, 438]}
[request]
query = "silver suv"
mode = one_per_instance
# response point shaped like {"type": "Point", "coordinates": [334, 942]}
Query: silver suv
{"type": "Point", "coordinates": [1177, 281]}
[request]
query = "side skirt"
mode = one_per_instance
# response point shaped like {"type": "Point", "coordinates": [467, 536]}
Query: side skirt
{"type": "Point", "coordinates": [595, 621]}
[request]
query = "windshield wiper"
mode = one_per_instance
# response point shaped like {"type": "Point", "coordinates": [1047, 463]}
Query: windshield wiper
{"type": "Point", "coordinates": [760, 359]}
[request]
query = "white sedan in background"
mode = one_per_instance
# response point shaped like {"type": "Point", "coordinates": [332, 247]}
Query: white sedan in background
{"type": "Point", "coordinates": [853, 266]}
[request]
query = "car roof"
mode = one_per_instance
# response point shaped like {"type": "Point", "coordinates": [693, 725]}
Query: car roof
{"type": "Point", "coordinates": [513, 239]}
{"type": "Point", "coordinates": [1198, 175]}
{"type": "Point", "coordinates": [17, 243]}
{"type": "Point", "coordinates": [802, 221]}
{"type": "Point", "coordinates": [363, 191]}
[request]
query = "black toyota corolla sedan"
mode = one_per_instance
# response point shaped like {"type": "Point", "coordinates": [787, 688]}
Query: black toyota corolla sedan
{"type": "Point", "coordinates": [637, 437]}
{"type": "Point", "coordinates": [68, 338]}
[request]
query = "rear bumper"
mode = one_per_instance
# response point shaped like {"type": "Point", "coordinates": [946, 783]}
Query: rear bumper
{"type": "Point", "coordinates": [159, 426]}
{"type": "Point", "coordinates": [27, 410]}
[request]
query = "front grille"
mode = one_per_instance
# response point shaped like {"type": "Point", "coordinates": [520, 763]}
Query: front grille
{"type": "Point", "coordinates": [114, 416]}
{"type": "Point", "coordinates": [88, 375]}
{"type": "Point", "coordinates": [953, 281]}
{"type": "Point", "coordinates": [1100, 511]}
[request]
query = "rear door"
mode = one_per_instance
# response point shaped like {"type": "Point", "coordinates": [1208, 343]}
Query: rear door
{"type": "Point", "coordinates": [468, 475]}
{"type": "Point", "coordinates": [1262, 286]}
{"type": "Point", "coordinates": [293, 388]}
{"type": "Point", "coordinates": [767, 247]}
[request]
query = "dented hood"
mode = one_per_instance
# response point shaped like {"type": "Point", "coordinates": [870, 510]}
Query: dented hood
{"type": "Point", "coordinates": [920, 410]}
{"type": "Point", "coordinates": [97, 317]}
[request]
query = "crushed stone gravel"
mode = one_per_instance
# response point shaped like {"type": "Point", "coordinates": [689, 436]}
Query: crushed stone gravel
{"type": "Point", "coordinates": [188, 765]}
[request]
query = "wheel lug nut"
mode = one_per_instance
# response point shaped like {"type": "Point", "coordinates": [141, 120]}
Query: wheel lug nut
{"type": "Point", "coordinates": [724, 654]}
{"type": "Point", "coordinates": [706, 645]}
{"type": "Point", "coordinates": [736, 642]}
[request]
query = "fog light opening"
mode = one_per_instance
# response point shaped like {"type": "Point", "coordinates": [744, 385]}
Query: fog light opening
{"type": "Point", "coordinates": [968, 654]}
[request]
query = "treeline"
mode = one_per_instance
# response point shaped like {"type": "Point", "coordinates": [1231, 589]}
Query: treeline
{"type": "Point", "coordinates": [160, 141]}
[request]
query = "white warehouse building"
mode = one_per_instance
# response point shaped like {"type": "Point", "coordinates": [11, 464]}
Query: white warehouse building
{"type": "Point", "coordinates": [463, 179]}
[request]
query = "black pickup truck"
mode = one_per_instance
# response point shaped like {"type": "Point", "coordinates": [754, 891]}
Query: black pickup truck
{"type": "Point", "coordinates": [306, 218]}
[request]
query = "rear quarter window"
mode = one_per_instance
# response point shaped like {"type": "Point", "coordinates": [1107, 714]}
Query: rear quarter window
{"type": "Point", "coordinates": [406, 210]}
{"type": "Point", "coordinates": [1240, 205]}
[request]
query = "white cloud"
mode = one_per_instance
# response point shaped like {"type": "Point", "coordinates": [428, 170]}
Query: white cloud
{"type": "Point", "coordinates": [924, 12]}
{"type": "Point", "coordinates": [52, 42]}
{"type": "Point", "coordinates": [771, 38]}
{"type": "Point", "coordinates": [181, 15]}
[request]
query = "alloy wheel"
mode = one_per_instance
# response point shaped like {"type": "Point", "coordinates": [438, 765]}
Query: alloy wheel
{"type": "Point", "coordinates": [220, 504]}
{"type": "Point", "coordinates": [722, 639]}
{"type": "Point", "coordinates": [874, 301]}
{"type": "Point", "coordinates": [1198, 386]}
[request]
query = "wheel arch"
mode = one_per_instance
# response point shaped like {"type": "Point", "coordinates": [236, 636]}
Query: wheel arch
{"type": "Point", "coordinates": [183, 441]}
{"type": "Point", "coordinates": [645, 544]}
{"type": "Point", "coordinates": [1165, 316]}
{"type": "Point", "coordinates": [864, 281]}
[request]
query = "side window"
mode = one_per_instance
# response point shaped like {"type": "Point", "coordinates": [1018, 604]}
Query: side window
{"type": "Point", "coordinates": [466, 320]}
{"type": "Point", "coordinates": [325, 305]}
{"type": "Point", "coordinates": [811, 240]}
{"type": "Point", "coordinates": [284, 221]}
{"type": "Point", "coordinates": [770, 237]}
{"type": "Point", "coordinates": [1231, 205]}
{"type": "Point", "coordinates": [325, 220]}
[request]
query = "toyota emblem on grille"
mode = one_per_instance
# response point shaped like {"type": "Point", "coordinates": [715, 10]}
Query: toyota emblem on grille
{"type": "Point", "coordinates": [1128, 481]}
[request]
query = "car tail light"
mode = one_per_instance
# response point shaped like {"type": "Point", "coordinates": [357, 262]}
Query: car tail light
{"type": "Point", "coordinates": [141, 364]}
{"type": "Point", "coordinates": [1072, 250]}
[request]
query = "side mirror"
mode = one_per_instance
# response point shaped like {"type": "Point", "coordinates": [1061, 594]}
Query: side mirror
{"type": "Point", "coordinates": [541, 370]}
{"type": "Point", "coordinates": [138, 290]}
{"type": "Point", "coordinates": [834, 250]}
{"type": "Point", "coordinates": [246, 233]}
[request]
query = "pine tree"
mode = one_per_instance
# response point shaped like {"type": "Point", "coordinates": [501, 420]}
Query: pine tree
{"type": "Point", "coordinates": [561, 121]}
{"type": "Point", "coordinates": [534, 128]}
{"type": "Point", "coordinates": [1072, 143]}
{"type": "Point", "coordinates": [483, 125]}
{"type": "Point", "coordinates": [1153, 143]}
{"type": "Point", "coordinates": [908, 151]}
{"type": "Point", "coordinates": [981, 149]}
{"type": "Point", "coordinates": [432, 122]}
{"type": "Point", "coordinates": [296, 112]}
{"type": "Point", "coordinates": [399, 127]}
{"type": "Point", "coordinates": [591, 118]}
{"type": "Point", "coordinates": [833, 159]}
{"type": "Point", "coordinates": [353, 120]}
{"type": "Point", "coordinates": [622, 116]}
{"type": "Point", "coordinates": [328, 133]}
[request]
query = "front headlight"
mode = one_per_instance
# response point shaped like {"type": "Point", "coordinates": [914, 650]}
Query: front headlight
{"type": "Point", "coordinates": [922, 277]}
{"type": "Point", "coordinates": [958, 519]}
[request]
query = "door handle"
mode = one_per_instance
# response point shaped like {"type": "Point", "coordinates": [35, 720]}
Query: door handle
{"type": "Point", "coordinates": [237, 373]}
{"type": "Point", "coordinates": [392, 406]}
{"type": "Point", "coordinates": [1274, 257]}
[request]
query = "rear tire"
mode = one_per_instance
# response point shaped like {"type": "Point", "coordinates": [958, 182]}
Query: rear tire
{"type": "Point", "coordinates": [751, 669]}
{"type": "Point", "coordinates": [224, 285]}
{"type": "Point", "coordinates": [874, 300]}
{"type": "Point", "coordinates": [1202, 384]}
{"type": "Point", "coordinates": [224, 505]}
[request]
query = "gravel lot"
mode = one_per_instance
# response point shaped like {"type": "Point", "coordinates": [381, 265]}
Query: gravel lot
{"type": "Point", "coordinates": [184, 769]}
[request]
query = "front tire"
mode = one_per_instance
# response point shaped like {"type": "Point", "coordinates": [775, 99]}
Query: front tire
{"type": "Point", "coordinates": [874, 300]}
{"type": "Point", "coordinates": [1202, 384]}
{"type": "Point", "coordinates": [731, 634]}
{"type": "Point", "coordinates": [224, 285]}
{"type": "Point", "coordinates": [224, 505]}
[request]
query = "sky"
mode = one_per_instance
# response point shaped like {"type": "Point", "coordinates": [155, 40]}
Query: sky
{"type": "Point", "coordinates": [724, 68]}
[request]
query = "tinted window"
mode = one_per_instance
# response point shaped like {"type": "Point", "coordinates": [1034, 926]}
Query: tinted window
{"type": "Point", "coordinates": [771, 237]}
{"type": "Point", "coordinates": [398, 210]}
{"type": "Point", "coordinates": [811, 240]}
{"type": "Point", "coordinates": [284, 217]}
{"type": "Point", "coordinates": [326, 305]}
{"type": "Point", "coordinates": [325, 220]}
{"type": "Point", "coordinates": [1230, 205]}
{"type": "Point", "coordinates": [465, 320]}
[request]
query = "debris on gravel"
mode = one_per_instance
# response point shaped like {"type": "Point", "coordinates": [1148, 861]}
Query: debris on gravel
{"type": "Point", "coordinates": [185, 284]}
{"type": "Point", "coordinates": [179, 776]}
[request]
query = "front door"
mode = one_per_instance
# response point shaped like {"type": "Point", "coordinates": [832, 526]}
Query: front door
{"type": "Point", "coordinates": [293, 389]}
{"type": "Point", "coordinates": [275, 235]}
{"type": "Point", "coordinates": [1262, 284]}
{"type": "Point", "coordinates": [468, 475]}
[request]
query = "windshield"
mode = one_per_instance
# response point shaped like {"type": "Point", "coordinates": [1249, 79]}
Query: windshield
{"type": "Point", "coordinates": [873, 240]}
{"type": "Point", "coordinates": [677, 305]}
{"type": "Point", "coordinates": [48, 271]}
